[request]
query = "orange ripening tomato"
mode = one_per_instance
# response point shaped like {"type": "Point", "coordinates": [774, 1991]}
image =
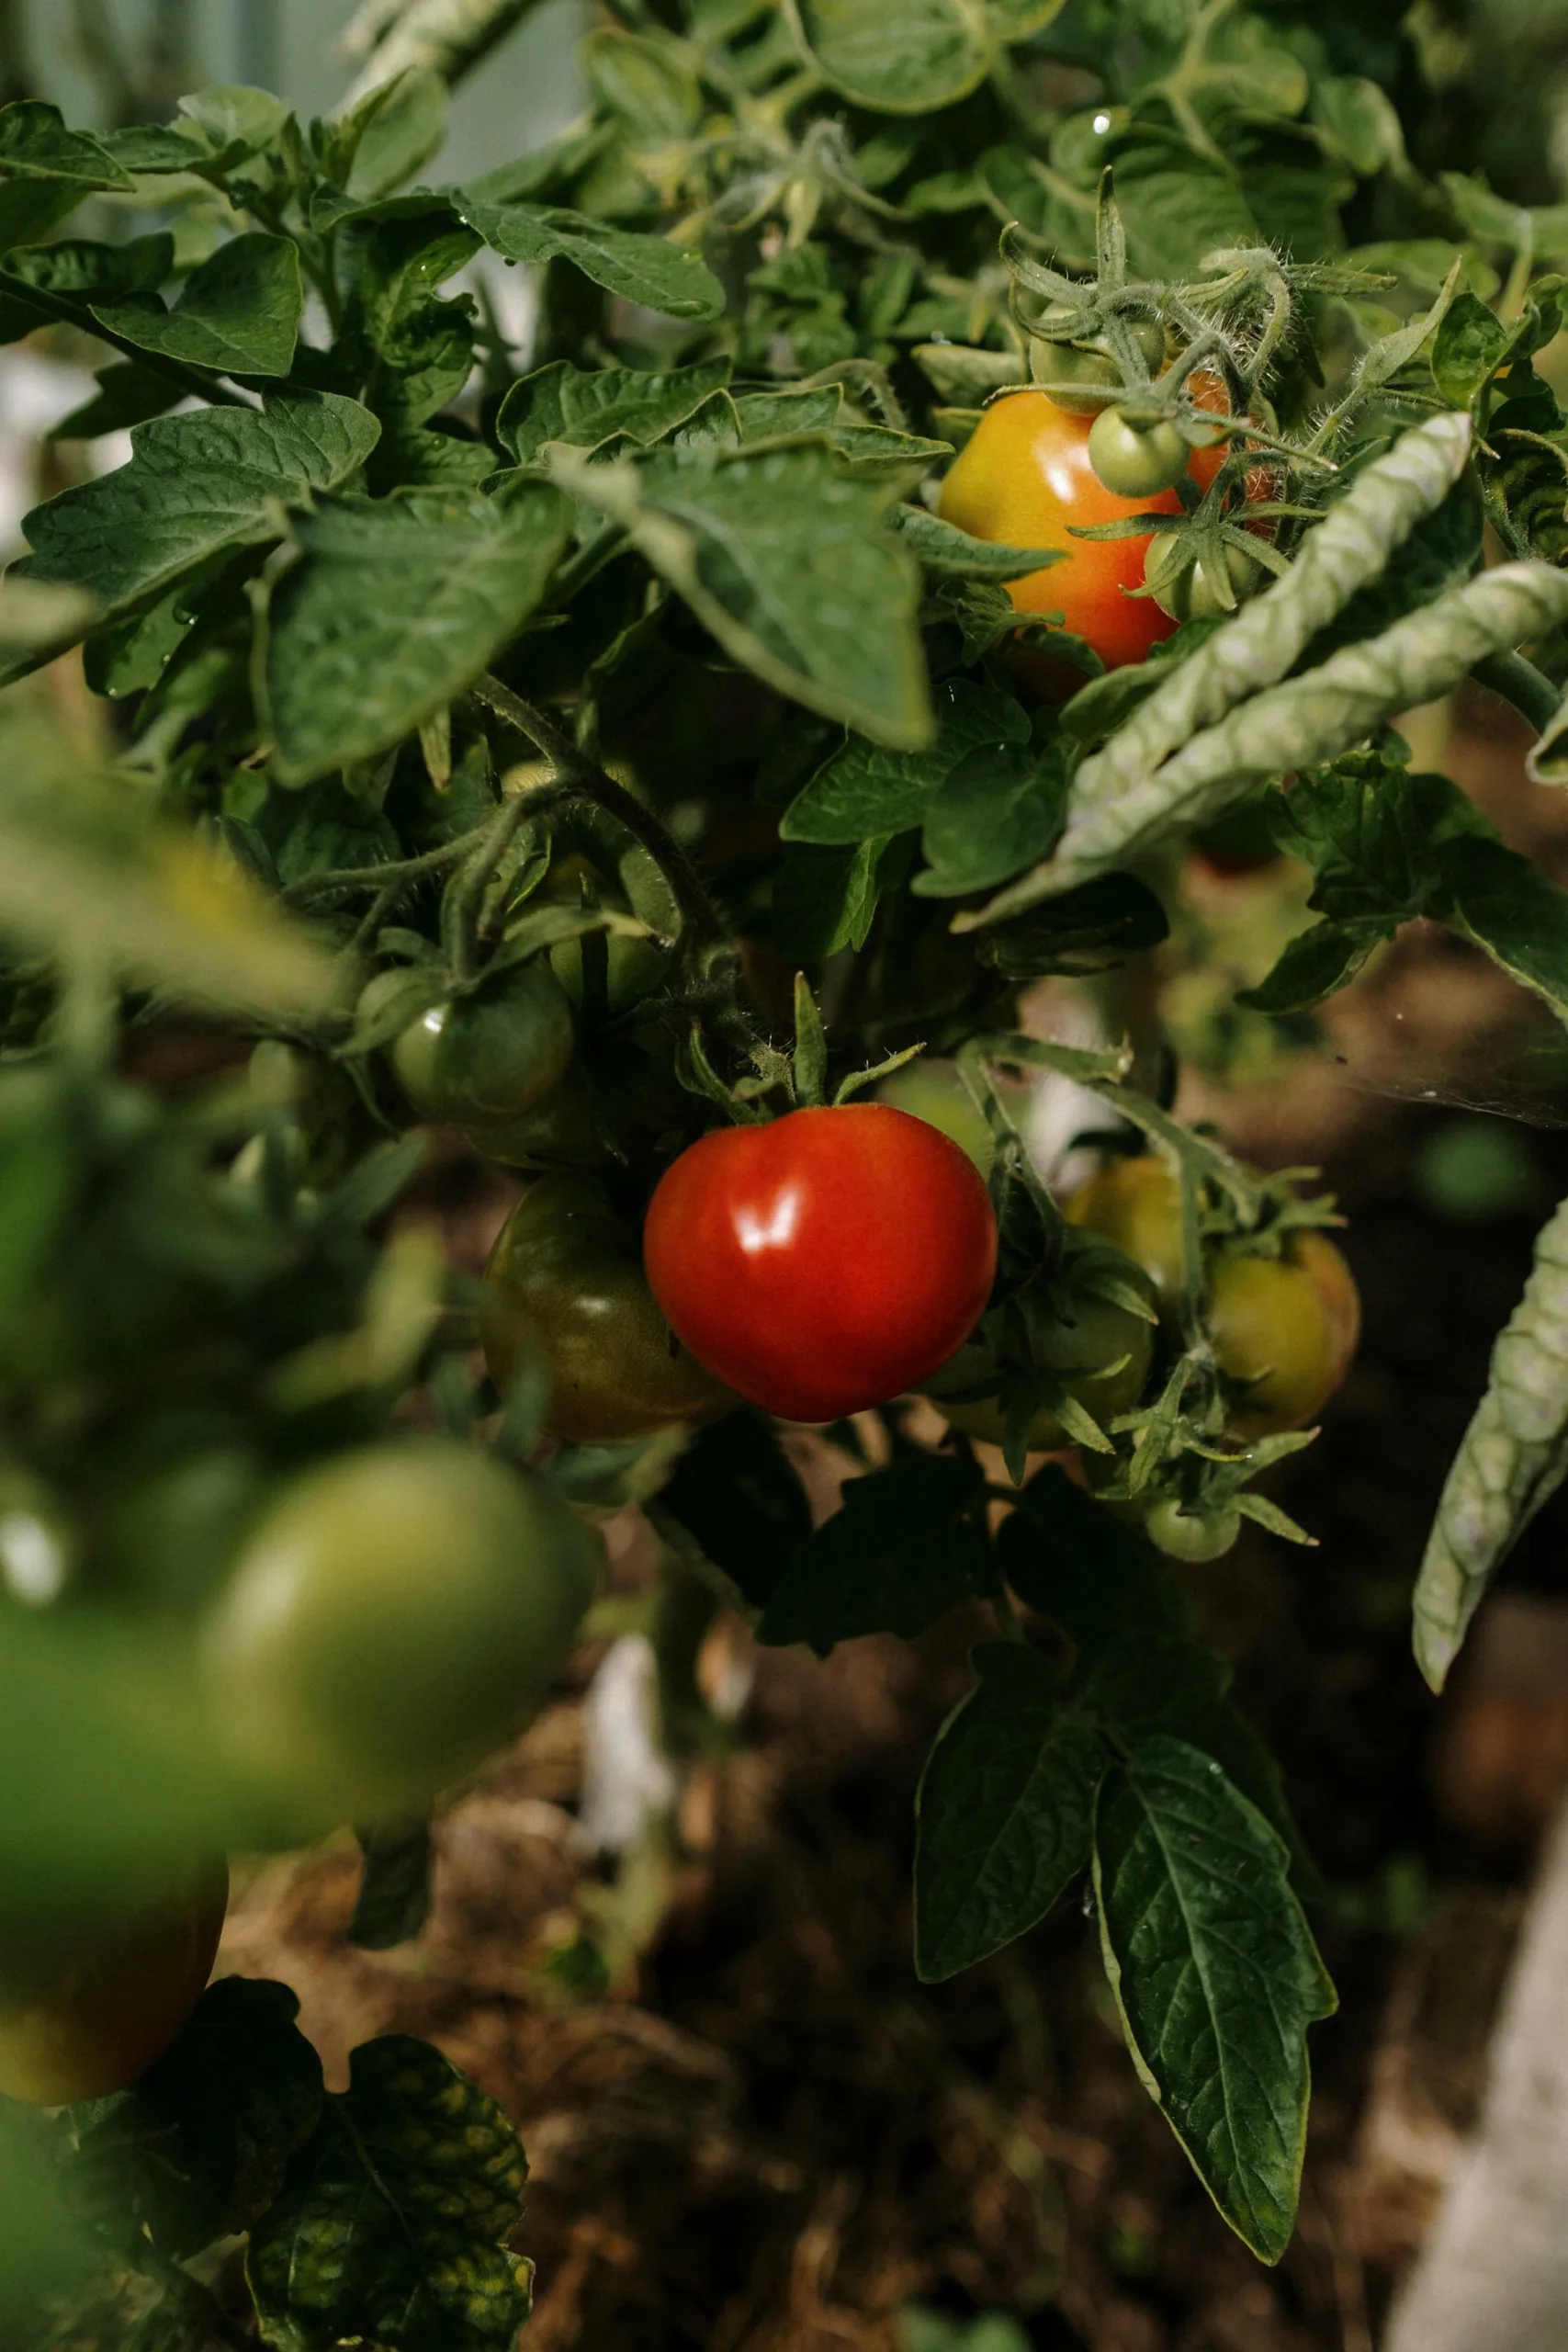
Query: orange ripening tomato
{"type": "Point", "coordinates": [1023, 478]}
{"type": "Point", "coordinates": [826, 1262]}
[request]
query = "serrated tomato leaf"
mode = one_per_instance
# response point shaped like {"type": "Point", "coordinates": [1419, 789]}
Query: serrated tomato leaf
{"type": "Point", "coordinates": [237, 313]}
{"type": "Point", "coordinates": [1215, 1974]}
{"type": "Point", "coordinates": [397, 605]}
{"type": "Point", "coordinates": [646, 269]}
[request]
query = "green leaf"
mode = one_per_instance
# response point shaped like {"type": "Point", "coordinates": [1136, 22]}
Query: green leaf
{"type": "Point", "coordinates": [393, 1902]}
{"type": "Point", "coordinates": [394, 132]}
{"type": "Point", "coordinates": [737, 1493]}
{"type": "Point", "coordinates": [1065, 1555]}
{"type": "Point", "coordinates": [826, 899]}
{"type": "Point", "coordinates": [1138, 1683]}
{"type": "Point", "coordinates": [1360, 118]}
{"type": "Point", "coordinates": [1315, 965]}
{"type": "Point", "coordinates": [648, 81]}
{"type": "Point", "coordinates": [1512, 1458]}
{"type": "Point", "coordinates": [194, 484]}
{"type": "Point", "coordinates": [909, 60]}
{"type": "Point", "coordinates": [34, 144]}
{"type": "Point", "coordinates": [1085, 929]}
{"type": "Point", "coordinates": [415, 350]}
{"type": "Point", "coordinates": [87, 869]}
{"type": "Point", "coordinates": [197, 2149]}
{"type": "Point", "coordinates": [864, 790]}
{"type": "Point", "coordinates": [238, 314]}
{"type": "Point", "coordinates": [392, 2224]}
{"type": "Point", "coordinates": [234, 121]}
{"type": "Point", "coordinates": [948, 553]}
{"type": "Point", "coordinates": [394, 609]}
{"type": "Point", "coordinates": [784, 557]}
{"type": "Point", "coordinates": [996, 812]}
{"type": "Point", "coordinates": [128, 394]}
{"type": "Point", "coordinates": [646, 269]}
{"type": "Point", "coordinates": [1005, 1807]}
{"type": "Point", "coordinates": [1466, 350]}
{"type": "Point", "coordinates": [588, 407]}
{"type": "Point", "coordinates": [907, 1544]}
{"type": "Point", "coordinates": [80, 265]}
{"type": "Point", "coordinates": [1216, 1976]}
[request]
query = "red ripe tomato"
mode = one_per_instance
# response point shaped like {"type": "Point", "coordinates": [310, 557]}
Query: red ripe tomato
{"type": "Point", "coordinates": [824, 1263]}
{"type": "Point", "coordinates": [1022, 478]}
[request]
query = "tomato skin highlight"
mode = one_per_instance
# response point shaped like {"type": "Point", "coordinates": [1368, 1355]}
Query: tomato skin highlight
{"type": "Point", "coordinates": [1021, 477]}
{"type": "Point", "coordinates": [826, 1262]}
{"type": "Point", "coordinates": [88, 2003]}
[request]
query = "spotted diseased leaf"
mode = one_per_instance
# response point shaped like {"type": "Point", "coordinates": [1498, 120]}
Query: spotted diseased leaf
{"type": "Point", "coordinates": [784, 556]}
{"type": "Point", "coordinates": [864, 789]}
{"type": "Point", "coordinates": [907, 1544]}
{"type": "Point", "coordinates": [1215, 1974]}
{"type": "Point", "coordinates": [1512, 1458]}
{"type": "Point", "coordinates": [392, 2224]}
{"type": "Point", "coordinates": [395, 607]}
{"type": "Point", "coordinates": [646, 269]}
{"type": "Point", "coordinates": [199, 2147]}
{"type": "Point", "coordinates": [238, 314]}
{"type": "Point", "coordinates": [193, 484]}
{"type": "Point", "coordinates": [1005, 1807]}
{"type": "Point", "coordinates": [588, 407]}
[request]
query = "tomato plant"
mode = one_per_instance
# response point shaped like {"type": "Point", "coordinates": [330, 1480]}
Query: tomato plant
{"type": "Point", "coordinates": [467, 713]}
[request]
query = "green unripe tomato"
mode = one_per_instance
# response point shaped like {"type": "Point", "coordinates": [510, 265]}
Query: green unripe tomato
{"type": "Point", "coordinates": [1084, 377]}
{"type": "Point", "coordinates": [396, 1616]}
{"type": "Point", "coordinates": [1192, 1534]}
{"type": "Point", "coordinates": [566, 1274]}
{"type": "Point", "coordinates": [1133, 461]}
{"type": "Point", "coordinates": [88, 2001]}
{"type": "Point", "coordinates": [563, 1131]}
{"type": "Point", "coordinates": [490, 1055]}
{"type": "Point", "coordinates": [633, 968]}
{"type": "Point", "coordinates": [933, 1090]}
{"type": "Point", "coordinates": [1183, 588]}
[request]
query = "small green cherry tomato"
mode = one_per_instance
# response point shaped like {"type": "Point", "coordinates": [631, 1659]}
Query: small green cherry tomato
{"type": "Point", "coordinates": [628, 969]}
{"type": "Point", "coordinates": [1134, 461]}
{"type": "Point", "coordinates": [493, 1056]}
{"type": "Point", "coordinates": [89, 2001]}
{"type": "Point", "coordinates": [1192, 1534]}
{"type": "Point", "coordinates": [1084, 377]}
{"type": "Point", "coordinates": [566, 1274]}
{"type": "Point", "coordinates": [397, 1615]}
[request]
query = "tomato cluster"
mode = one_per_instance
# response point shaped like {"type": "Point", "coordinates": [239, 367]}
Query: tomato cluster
{"type": "Point", "coordinates": [1283, 1326]}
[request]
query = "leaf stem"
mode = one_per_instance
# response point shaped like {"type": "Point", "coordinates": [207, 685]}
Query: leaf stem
{"type": "Point", "coordinates": [1518, 681]}
{"type": "Point", "coordinates": [583, 778]}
